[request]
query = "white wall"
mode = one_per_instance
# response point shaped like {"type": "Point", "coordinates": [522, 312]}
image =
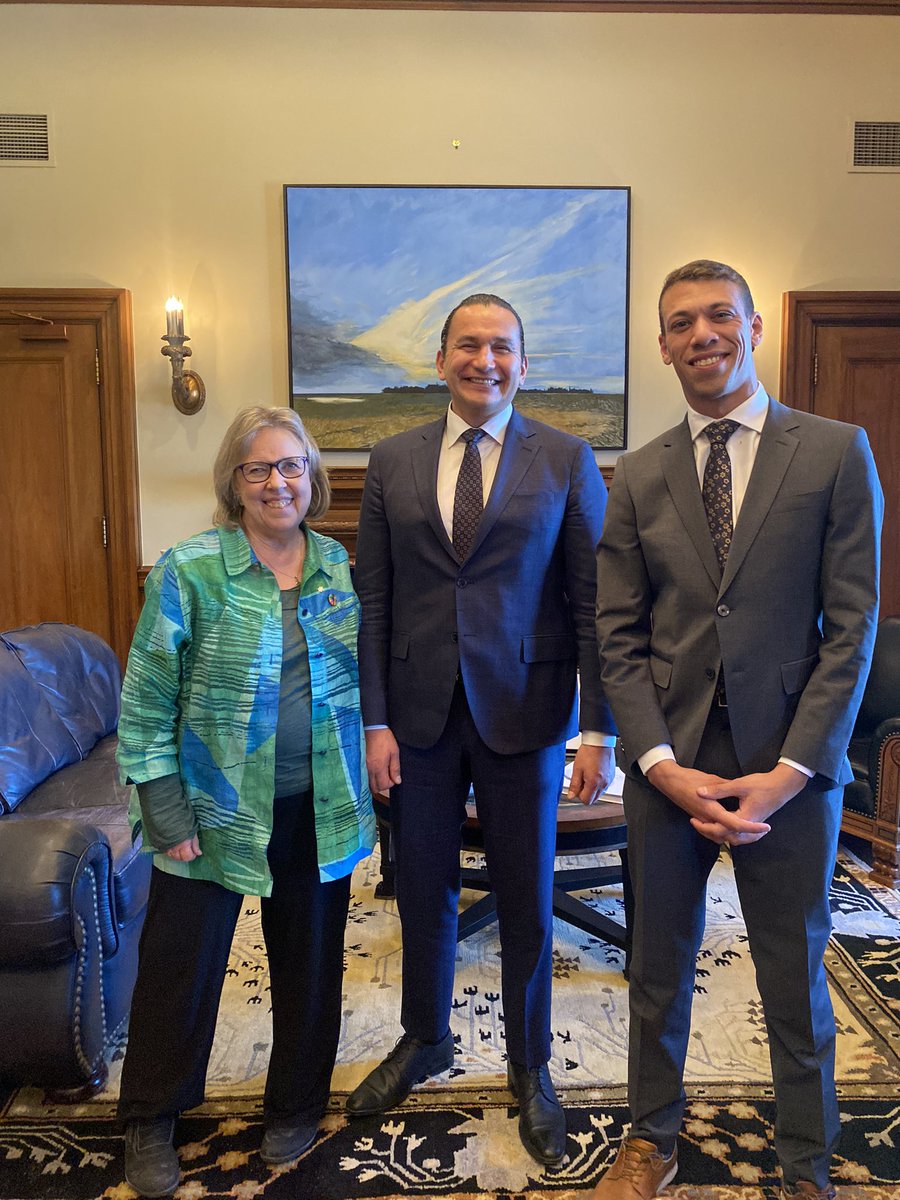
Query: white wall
{"type": "Point", "coordinates": [176, 128]}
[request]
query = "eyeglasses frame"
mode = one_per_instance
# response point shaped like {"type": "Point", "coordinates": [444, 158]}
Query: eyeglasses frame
{"type": "Point", "coordinates": [261, 462]}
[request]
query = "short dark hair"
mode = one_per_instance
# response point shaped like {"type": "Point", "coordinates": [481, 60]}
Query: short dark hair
{"type": "Point", "coordinates": [485, 299]}
{"type": "Point", "coordinates": [706, 268]}
{"type": "Point", "coordinates": [236, 443]}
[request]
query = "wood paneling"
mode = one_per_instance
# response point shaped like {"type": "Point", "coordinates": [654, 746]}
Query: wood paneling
{"type": "Point", "coordinates": [342, 519]}
{"type": "Point", "coordinates": [841, 359]}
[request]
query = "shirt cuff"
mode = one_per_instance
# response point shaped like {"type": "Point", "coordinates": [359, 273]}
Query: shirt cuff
{"type": "Point", "coordinates": [366, 728]}
{"type": "Point", "coordinates": [797, 767]}
{"type": "Point", "coordinates": [662, 753]}
{"type": "Point", "coordinates": [590, 738]}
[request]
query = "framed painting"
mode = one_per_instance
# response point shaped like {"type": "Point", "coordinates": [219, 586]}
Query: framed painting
{"type": "Point", "coordinates": [372, 273]}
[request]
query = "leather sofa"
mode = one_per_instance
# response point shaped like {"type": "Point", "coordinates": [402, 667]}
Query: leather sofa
{"type": "Point", "coordinates": [73, 887]}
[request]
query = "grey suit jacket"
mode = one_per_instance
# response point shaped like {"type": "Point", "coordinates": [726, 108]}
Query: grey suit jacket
{"type": "Point", "coordinates": [792, 619]}
{"type": "Point", "coordinates": [515, 619]}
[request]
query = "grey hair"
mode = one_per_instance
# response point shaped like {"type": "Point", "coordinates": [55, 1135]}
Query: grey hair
{"type": "Point", "coordinates": [236, 445]}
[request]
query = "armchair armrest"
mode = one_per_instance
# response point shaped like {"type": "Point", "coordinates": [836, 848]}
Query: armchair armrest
{"type": "Point", "coordinates": [55, 879]}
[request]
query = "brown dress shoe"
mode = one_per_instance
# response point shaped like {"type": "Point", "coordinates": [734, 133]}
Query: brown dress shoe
{"type": "Point", "coordinates": [638, 1172]}
{"type": "Point", "coordinates": [807, 1190]}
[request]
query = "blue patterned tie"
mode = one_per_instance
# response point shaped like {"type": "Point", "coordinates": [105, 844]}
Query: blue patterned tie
{"type": "Point", "coordinates": [717, 495]}
{"type": "Point", "coordinates": [469, 498]}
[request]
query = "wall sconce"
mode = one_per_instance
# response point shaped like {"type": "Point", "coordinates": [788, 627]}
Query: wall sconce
{"type": "Point", "coordinates": [188, 389]}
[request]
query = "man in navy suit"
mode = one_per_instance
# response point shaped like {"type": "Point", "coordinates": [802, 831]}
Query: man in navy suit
{"type": "Point", "coordinates": [740, 589]}
{"type": "Point", "coordinates": [474, 627]}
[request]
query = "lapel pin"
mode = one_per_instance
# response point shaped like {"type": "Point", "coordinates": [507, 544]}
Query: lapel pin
{"type": "Point", "coordinates": [332, 600]}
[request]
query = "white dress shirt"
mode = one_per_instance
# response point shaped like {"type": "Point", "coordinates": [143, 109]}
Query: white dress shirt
{"type": "Point", "coordinates": [452, 450]}
{"type": "Point", "coordinates": [742, 447]}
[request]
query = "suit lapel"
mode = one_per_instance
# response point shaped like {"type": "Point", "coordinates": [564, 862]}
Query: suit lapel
{"type": "Point", "coordinates": [777, 446]}
{"type": "Point", "coordinates": [680, 472]}
{"type": "Point", "coordinates": [519, 448]}
{"type": "Point", "coordinates": [424, 460]}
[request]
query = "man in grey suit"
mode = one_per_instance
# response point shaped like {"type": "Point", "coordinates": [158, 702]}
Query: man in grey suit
{"type": "Point", "coordinates": [475, 570]}
{"type": "Point", "coordinates": [736, 617]}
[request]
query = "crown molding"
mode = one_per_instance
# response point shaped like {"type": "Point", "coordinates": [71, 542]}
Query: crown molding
{"type": "Point", "coordinates": [793, 7]}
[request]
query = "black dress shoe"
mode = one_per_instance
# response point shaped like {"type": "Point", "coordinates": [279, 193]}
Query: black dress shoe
{"type": "Point", "coordinates": [283, 1143]}
{"type": "Point", "coordinates": [151, 1164]}
{"type": "Point", "coordinates": [390, 1083]}
{"type": "Point", "coordinates": [542, 1122]}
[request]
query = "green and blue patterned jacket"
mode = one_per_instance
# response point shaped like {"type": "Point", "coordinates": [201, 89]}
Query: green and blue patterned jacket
{"type": "Point", "coordinates": [200, 698]}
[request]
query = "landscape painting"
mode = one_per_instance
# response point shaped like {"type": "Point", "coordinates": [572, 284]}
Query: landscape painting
{"type": "Point", "coordinates": [372, 272]}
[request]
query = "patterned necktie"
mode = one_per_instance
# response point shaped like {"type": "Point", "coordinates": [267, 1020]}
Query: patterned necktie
{"type": "Point", "coordinates": [717, 496]}
{"type": "Point", "coordinates": [469, 498]}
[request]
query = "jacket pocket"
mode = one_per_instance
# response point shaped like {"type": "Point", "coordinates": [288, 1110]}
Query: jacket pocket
{"type": "Point", "coordinates": [399, 645]}
{"type": "Point", "coordinates": [548, 647]}
{"type": "Point", "coordinates": [661, 671]}
{"type": "Point", "coordinates": [795, 675]}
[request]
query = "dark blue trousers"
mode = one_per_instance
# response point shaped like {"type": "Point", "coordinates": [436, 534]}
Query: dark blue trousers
{"type": "Point", "coordinates": [516, 797]}
{"type": "Point", "coordinates": [783, 883]}
{"type": "Point", "coordinates": [184, 951]}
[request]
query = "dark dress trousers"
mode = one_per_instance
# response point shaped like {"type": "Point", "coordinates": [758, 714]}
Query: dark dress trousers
{"type": "Point", "coordinates": [472, 664]}
{"type": "Point", "coordinates": [790, 623]}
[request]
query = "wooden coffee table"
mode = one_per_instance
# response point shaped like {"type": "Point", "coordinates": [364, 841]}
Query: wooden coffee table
{"type": "Point", "coordinates": [580, 830]}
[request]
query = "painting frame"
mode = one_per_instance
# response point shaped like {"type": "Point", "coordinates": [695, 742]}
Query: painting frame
{"type": "Point", "coordinates": [371, 272]}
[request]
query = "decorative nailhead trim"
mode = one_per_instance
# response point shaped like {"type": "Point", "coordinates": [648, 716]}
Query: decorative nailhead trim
{"type": "Point", "coordinates": [88, 1067]}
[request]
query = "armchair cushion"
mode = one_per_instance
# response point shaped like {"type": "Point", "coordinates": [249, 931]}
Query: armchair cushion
{"type": "Point", "coordinates": [35, 741]}
{"type": "Point", "coordinates": [79, 675]}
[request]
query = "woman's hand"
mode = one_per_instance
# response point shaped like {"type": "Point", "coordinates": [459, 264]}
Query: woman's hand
{"type": "Point", "coordinates": [185, 851]}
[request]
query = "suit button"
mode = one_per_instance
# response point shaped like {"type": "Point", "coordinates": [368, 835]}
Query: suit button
{"type": "Point", "coordinates": [461, 582]}
{"type": "Point", "coordinates": [709, 673]}
{"type": "Point", "coordinates": [454, 637]}
{"type": "Point", "coordinates": [723, 610]}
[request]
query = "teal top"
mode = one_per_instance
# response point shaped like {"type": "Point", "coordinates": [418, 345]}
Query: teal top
{"type": "Point", "coordinates": [293, 737]}
{"type": "Point", "coordinates": [200, 698]}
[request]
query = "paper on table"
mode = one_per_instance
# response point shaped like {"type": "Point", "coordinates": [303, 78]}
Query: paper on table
{"type": "Point", "coordinates": [614, 789]}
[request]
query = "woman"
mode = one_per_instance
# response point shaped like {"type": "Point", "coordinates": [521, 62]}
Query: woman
{"type": "Point", "coordinates": [240, 726]}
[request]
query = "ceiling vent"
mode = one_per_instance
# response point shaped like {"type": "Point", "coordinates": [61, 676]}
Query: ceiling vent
{"type": "Point", "coordinates": [25, 140]}
{"type": "Point", "coordinates": [876, 146]}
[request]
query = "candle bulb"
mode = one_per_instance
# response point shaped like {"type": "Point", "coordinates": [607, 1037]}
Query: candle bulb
{"type": "Point", "coordinates": [174, 317]}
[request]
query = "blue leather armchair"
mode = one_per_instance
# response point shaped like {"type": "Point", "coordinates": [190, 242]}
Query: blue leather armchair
{"type": "Point", "coordinates": [73, 887]}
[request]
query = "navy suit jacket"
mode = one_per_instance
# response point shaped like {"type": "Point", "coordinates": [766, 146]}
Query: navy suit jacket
{"type": "Point", "coordinates": [515, 619]}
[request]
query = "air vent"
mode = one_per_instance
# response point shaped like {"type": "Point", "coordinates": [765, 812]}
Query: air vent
{"type": "Point", "coordinates": [876, 146]}
{"type": "Point", "coordinates": [25, 140]}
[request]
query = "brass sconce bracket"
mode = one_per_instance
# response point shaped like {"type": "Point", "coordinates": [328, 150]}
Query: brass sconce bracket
{"type": "Point", "coordinates": [188, 389]}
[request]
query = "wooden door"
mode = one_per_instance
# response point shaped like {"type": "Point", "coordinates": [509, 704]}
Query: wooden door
{"type": "Point", "coordinates": [841, 359]}
{"type": "Point", "coordinates": [69, 546]}
{"type": "Point", "coordinates": [53, 564]}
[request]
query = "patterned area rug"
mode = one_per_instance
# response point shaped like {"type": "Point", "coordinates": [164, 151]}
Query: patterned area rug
{"type": "Point", "coordinates": [456, 1136]}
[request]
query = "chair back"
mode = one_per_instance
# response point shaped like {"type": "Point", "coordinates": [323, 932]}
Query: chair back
{"type": "Point", "coordinates": [881, 698]}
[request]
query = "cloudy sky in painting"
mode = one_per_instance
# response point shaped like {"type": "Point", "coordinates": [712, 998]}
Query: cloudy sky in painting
{"type": "Point", "coordinates": [373, 272]}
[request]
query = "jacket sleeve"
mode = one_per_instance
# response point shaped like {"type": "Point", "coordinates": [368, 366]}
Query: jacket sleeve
{"type": "Point", "coordinates": [624, 607]}
{"type": "Point", "coordinates": [153, 678]}
{"type": "Point", "coordinates": [823, 723]}
{"type": "Point", "coordinates": [374, 581]}
{"type": "Point", "coordinates": [585, 509]}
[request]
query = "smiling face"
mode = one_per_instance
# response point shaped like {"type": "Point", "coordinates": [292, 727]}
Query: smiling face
{"type": "Point", "coordinates": [709, 339]}
{"type": "Point", "coordinates": [483, 365]}
{"type": "Point", "coordinates": [272, 511]}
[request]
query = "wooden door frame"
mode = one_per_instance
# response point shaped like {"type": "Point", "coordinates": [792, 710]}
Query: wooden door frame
{"type": "Point", "coordinates": [802, 313]}
{"type": "Point", "coordinates": [109, 310]}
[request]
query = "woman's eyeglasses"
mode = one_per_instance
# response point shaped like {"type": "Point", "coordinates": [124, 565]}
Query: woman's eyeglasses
{"type": "Point", "coordinates": [287, 468]}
